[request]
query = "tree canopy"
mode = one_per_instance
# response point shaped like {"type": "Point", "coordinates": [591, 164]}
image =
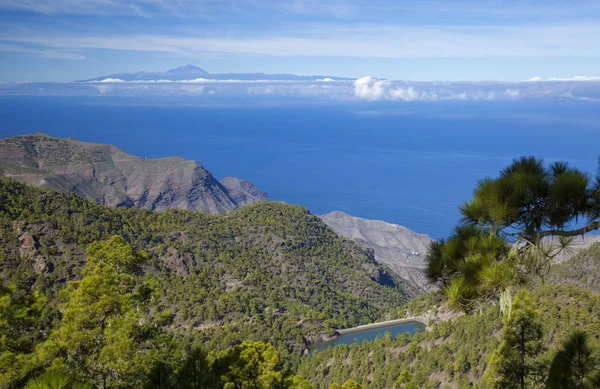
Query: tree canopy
{"type": "Point", "coordinates": [512, 230]}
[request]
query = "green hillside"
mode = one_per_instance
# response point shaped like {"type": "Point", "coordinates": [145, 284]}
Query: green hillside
{"type": "Point", "coordinates": [98, 297]}
{"type": "Point", "coordinates": [583, 270]}
{"type": "Point", "coordinates": [268, 271]}
{"type": "Point", "coordinates": [452, 354]}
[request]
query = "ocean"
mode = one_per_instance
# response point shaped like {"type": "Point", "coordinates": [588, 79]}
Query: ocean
{"type": "Point", "coordinates": [412, 164]}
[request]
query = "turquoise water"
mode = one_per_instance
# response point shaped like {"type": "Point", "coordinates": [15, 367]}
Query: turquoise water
{"type": "Point", "coordinates": [371, 334]}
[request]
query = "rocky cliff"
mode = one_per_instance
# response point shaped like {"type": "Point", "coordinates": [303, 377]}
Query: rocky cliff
{"type": "Point", "coordinates": [108, 175]}
{"type": "Point", "coordinates": [401, 249]}
{"type": "Point", "coordinates": [243, 192]}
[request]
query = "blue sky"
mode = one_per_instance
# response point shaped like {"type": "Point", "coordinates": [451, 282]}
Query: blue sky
{"type": "Point", "coordinates": [63, 40]}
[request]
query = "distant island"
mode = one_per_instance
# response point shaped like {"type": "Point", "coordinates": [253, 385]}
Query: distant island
{"type": "Point", "coordinates": [191, 72]}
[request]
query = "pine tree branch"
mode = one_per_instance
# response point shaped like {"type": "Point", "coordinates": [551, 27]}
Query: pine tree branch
{"type": "Point", "coordinates": [580, 231]}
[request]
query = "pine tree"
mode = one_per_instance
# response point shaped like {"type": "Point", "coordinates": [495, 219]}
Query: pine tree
{"type": "Point", "coordinates": [101, 328]}
{"type": "Point", "coordinates": [514, 364]}
{"type": "Point", "coordinates": [502, 240]}
{"type": "Point", "coordinates": [252, 365]}
{"type": "Point", "coordinates": [575, 365]}
{"type": "Point", "coordinates": [19, 314]}
{"type": "Point", "coordinates": [349, 384]}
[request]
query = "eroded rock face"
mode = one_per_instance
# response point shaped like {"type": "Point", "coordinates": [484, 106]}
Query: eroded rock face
{"type": "Point", "coordinates": [108, 175]}
{"type": "Point", "coordinates": [179, 262]}
{"type": "Point", "coordinates": [28, 249]}
{"type": "Point", "coordinates": [242, 191]}
{"type": "Point", "coordinates": [42, 266]}
{"type": "Point", "coordinates": [401, 249]}
{"type": "Point", "coordinates": [27, 245]}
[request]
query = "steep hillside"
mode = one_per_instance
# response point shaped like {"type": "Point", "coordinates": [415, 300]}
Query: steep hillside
{"type": "Point", "coordinates": [451, 354]}
{"type": "Point", "coordinates": [267, 271]}
{"type": "Point", "coordinates": [454, 352]}
{"type": "Point", "coordinates": [243, 192]}
{"type": "Point", "coordinates": [582, 270]}
{"type": "Point", "coordinates": [395, 246]}
{"type": "Point", "coordinates": [108, 175]}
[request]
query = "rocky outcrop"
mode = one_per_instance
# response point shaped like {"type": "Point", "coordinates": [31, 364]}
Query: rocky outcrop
{"type": "Point", "coordinates": [108, 175]}
{"type": "Point", "coordinates": [243, 192]}
{"type": "Point", "coordinates": [401, 249]}
{"type": "Point", "coordinates": [404, 251]}
{"type": "Point", "coordinates": [28, 245]}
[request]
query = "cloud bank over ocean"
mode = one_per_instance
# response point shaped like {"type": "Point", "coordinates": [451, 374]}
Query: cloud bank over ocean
{"type": "Point", "coordinates": [366, 89]}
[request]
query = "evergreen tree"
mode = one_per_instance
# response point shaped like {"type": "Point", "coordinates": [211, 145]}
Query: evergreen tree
{"type": "Point", "coordinates": [196, 372]}
{"type": "Point", "coordinates": [252, 365]}
{"type": "Point", "coordinates": [514, 365]}
{"type": "Point", "coordinates": [19, 315]}
{"type": "Point", "coordinates": [575, 365]}
{"type": "Point", "coordinates": [501, 241]}
{"type": "Point", "coordinates": [101, 330]}
{"type": "Point", "coordinates": [349, 384]}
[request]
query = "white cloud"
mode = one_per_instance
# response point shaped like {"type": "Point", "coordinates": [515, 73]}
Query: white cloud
{"type": "Point", "coordinates": [368, 88]}
{"type": "Point", "coordinates": [365, 89]}
{"type": "Point", "coordinates": [208, 81]}
{"type": "Point", "coordinates": [326, 79]}
{"type": "Point", "coordinates": [87, 7]}
{"type": "Point", "coordinates": [49, 53]}
{"type": "Point", "coordinates": [512, 93]}
{"type": "Point", "coordinates": [371, 89]}
{"type": "Point", "coordinates": [366, 41]}
{"type": "Point", "coordinates": [111, 80]}
{"type": "Point", "coordinates": [576, 78]}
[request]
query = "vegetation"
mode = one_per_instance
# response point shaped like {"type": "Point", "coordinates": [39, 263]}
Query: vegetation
{"type": "Point", "coordinates": [126, 298]}
{"type": "Point", "coordinates": [514, 364]}
{"type": "Point", "coordinates": [455, 353]}
{"type": "Point", "coordinates": [504, 239]}
{"type": "Point", "coordinates": [581, 270]}
{"type": "Point", "coordinates": [576, 365]}
{"type": "Point", "coordinates": [151, 287]}
{"type": "Point", "coordinates": [502, 244]}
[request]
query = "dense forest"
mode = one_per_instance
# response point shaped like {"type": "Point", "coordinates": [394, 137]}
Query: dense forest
{"type": "Point", "coordinates": [453, 354]}
{"type": "Point", "coordinates": [93, 296]}
{"type": "Point", "coordinates": [522, 320]}
{"type": "Point", "coordinates": [268, 272]}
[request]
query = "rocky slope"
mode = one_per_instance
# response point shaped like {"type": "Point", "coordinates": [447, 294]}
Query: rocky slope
{"type": "Point", "coordinates": [401, 249]}
{"type": "Point", "coordinates": [582, 270]}
{"type": "Point", "coordinates": [108, 175]}
{"type": "Point", "coordinates": [243, 192]}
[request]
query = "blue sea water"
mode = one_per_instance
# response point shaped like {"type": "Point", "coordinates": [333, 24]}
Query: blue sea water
{"type": "Point", "coordinates": [406, 163]}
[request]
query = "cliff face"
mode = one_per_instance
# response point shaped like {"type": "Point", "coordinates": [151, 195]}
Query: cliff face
{"type": "Point", "coordinates": [243, 192]}
{"type": "Point", "coordinates": [401, 249]}
{"type": "Point", "coordinates": [108, 175]}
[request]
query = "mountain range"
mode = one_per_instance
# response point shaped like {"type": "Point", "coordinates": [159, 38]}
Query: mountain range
{"type": "Point", "coordinates": [191, 72]}
{"type": "Point", "coordinates": [108, 175]}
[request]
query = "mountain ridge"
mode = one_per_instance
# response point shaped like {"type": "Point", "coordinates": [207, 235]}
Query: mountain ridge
{"type": "Point", "coordinates": [190, 72]}
{"type": "Point", "coordinates": [108, 175]}
{"type": "Point", "coordinates": [393, 245]}
{"type": "Point", "coordinates": [223, 277]}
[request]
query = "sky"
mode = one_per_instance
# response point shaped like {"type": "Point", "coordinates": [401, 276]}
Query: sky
{"type": "Point", "coordinates": [429, 40]}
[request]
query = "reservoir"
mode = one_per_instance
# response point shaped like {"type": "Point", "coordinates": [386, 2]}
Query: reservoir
{"type": "Point", "coordinates": [369, 334]}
